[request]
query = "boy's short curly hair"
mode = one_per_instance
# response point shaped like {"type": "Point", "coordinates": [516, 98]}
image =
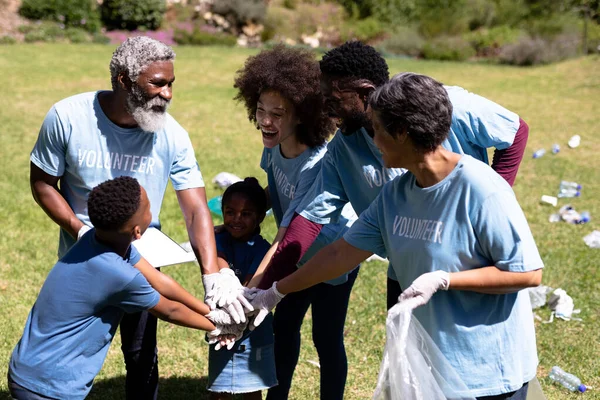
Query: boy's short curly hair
{"type": "Point", "coordinates": [112, 203]}
{"type": "Point", "coordinates": [294, 74]}
{"type": "Point", "coordinates": [356, 60]}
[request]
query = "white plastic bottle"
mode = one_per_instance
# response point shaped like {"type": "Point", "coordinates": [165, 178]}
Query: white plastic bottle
{"type": "Point", "coordinates": [569, 381]}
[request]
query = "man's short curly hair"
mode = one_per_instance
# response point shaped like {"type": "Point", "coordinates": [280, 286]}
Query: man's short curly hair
{"type": "Point", "coordinates": [112, 203]}
{"type": "Point", "coordinates": [355, 60]}
{"type": "Point", "coordinates": [294, 74]}
{"type": "Point", "coordinates": [134, 55]}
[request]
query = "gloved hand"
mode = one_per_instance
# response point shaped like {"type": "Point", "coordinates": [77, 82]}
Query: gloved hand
{"type": "Point", "coordinates": [82, 231]}
{"type": "Point", "coordinates": [422, 288]}
{"type": "Point", "coordinates": [223, 289]}
{"type": "Point", "coordinates": [226, 335]}
{"type": "Point", "coordinates": [220, 317]}
{"type": "Point", "coordinates": [263, 301]}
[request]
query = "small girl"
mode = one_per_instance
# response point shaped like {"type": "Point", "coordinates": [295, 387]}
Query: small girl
{"type": "Point", "coordinates": [249, 366]}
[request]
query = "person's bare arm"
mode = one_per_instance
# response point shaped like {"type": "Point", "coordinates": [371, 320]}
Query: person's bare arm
{"type": "Point", "coordinates": [169, 288]}
{"type": "Point", "coordinates": [178, 314]}
{"type": "Point", "coordinates": [258, 275]}
{"type": "Point", "coordinates": [44, 188]}
{"type": "Point", "coordinates": [332, 261]}
{"type": "Point", "coordinates": [200, 227]}
{"type": "Point", "coordinates": [492, 280]}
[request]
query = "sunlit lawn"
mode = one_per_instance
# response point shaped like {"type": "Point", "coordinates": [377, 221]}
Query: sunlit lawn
{"type": "Point", "coordinates": [557, 101]}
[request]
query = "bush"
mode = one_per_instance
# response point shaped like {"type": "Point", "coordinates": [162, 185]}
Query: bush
{"type": "Point", "coordinates": [240, 12]}
{"type": "Point", "coordinates": [45, 32]}
{"type": "Point", "coordinates": [364, 30]}
{"type": "Point", "coordinates": [100, 38]}
{"type": "Point", "coordinates": [448, 49]}
{"type": "Point", "coordinates": [71, 13]}
{"type": "Point", "coordinates": [404, 41]}
{"type": "Point", "coordinates": [131, 15]}
{"type": "Point", "coordinates": [534, 51]}
{"type": "Point", "coordinates": [201, 38]}
{"type": "Point", "coordinates": [77, 35]}
{"type": "Point", "coordinates": [7, 40]}
{"type": "Point", "coordinates": [488, 42]}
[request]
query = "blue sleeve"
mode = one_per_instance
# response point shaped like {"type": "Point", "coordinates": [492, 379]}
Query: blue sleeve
{"type": "Point", "coordinates": [503, 235]}
{"type": "Point", "coordinates": [482, 122]}
{"type": "Point", "coordinates": [304, 185]}
{"type": "Point", "coordinates": [264, 160]}
{"type": "Point", "coordinates": [326, 198]}
{"type": "Point", "coordinates": [137, 296]}
{"type": "Point", "coordinates": [51, 146]}
{"type": "Point", "coordinates": [366, 232]}
{"type": "Point", "coordinates": [185, 172]}
{"type": "Point", "coordinates": [134, 255]}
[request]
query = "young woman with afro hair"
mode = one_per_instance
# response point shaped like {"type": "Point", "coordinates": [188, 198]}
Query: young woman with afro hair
{"type": "Point", "coordinates": [280, 89]}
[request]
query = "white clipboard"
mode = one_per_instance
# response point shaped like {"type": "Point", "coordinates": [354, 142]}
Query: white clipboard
{"type": "Point", "coordinates": [160, 250]}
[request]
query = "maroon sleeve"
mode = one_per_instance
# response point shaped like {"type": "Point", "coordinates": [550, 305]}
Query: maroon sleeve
{"type": "Point", "coordinates": [300, 234]}
{"type": "Point", "coordinates": [506, 162]}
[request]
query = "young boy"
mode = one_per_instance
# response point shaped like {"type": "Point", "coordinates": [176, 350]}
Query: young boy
{"type": "Point", "coordinates": [72, 323]}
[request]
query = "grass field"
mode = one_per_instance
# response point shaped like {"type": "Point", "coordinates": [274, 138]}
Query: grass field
{"type": "Point", "coordinates": [557, 101]}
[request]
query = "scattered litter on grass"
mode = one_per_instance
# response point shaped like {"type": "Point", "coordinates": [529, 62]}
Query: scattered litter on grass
{"type": "Point", "coordinates": [555, 148]}
{"type": "Point", "coordinates": [568, 214]}
{"type": "Point", "coordinates": [539, 153]}
{"type": "Point", "coordinates": [313, 362]}
{"type": "Point", "coordinates": [225, 179]}
{"type": "Point", "coordinates": [553, 201]}
{"type": "Point", "coordinates": [574, 141]}
{"type": "Point", "coordinates": [375, 257]}
{"type": "Point", "coordinates": [593, 240]}
{"type": "Point", "coordinates": [562, 306]}
{"type": "Point", "coordinates": [569, 189]}
{"type": "Point", "coordinates": [538, 296]}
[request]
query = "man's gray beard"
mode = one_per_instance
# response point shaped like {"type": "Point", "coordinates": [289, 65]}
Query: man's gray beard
{"type": "Point", "coordinates": [141, 110]}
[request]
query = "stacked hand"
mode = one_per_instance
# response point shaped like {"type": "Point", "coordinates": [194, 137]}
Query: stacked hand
{"type": "Point", "coordinates": [224, 290]}
{"type": "Point", "coordinates": [226, 335]}
{"type": "Point", "coordinates": [422, 288]}
{"type": "Point", "coordinates": [263, 302]}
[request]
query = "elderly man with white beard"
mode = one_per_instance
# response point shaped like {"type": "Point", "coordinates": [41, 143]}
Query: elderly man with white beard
{"type": "Point", "coordinates": [92, 137]}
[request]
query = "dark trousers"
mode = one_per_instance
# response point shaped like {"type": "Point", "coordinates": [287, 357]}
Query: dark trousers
{"type": "Point", "coordinates": [138, 338]}
{"type": "Point", "coordinates": [520, 394]}
{"type": "Point", "coordinates": [18, 392]}
{"type": "Point", "coordinates": [329, 307]}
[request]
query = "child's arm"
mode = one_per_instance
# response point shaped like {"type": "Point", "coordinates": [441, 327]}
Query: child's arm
{"type": "Point", "coordinates": [169, 288]}
{"type": "Point", "coordinates": [178, 314]}
{"type": "Point", "coordinates": [258, 275]}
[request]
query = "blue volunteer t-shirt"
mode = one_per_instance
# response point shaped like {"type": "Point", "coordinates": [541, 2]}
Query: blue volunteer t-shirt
{"type": "Point", "coordinates": [243, 257]}
{"type": "Point", "coordinates": [79, 143]}
{"type": "Point", "coordinates": [289, 182]}
{"type": "Point", "coordinates": [469, 220]}
{"type": "Point", "coordinates": [75, 317]}
{"type": "Point", "coordinates": [478, 124]}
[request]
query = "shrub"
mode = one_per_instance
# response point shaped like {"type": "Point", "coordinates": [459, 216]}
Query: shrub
{"type": "Point", "coordinates": [71, 13]}
{"type": "Point", "coordinates": [100, 38]}
{"type": "Point", "coordinates": [131, 15]}
{"type": "Point", "coordinates": [45, 32]}
{"type": "Point", "coordinates": [534, 51]}
{"type": "Point", "coordinates": [77, 35]}
{"type": "Point", "coordinates": [364, 30]}
{"type": "Point", "coordinates": [7, 40]}
{"type": "Point", "coordinates": [488, 42]}
{"type": "Point", "coordinates": [403, 41]}
{"type": "Point", "coordinates": [448, 49]}
{"type": "Point", "coordinates": [240, 12]}
{"type": "Point", "coordinates": [200, 38]}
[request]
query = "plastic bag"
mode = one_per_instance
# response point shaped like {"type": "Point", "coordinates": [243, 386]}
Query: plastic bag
{"type": "Point", "coordinates": [225, 179]}
{"type": "Point", "coordinates": [413, 367]}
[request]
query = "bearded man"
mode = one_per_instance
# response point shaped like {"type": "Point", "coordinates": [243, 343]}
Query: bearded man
{"type": "Point", "coordinates": [92, 137]}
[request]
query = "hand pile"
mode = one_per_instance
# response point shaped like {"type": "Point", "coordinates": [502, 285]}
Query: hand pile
{"type": "Point", "coordinates": [233, 306]}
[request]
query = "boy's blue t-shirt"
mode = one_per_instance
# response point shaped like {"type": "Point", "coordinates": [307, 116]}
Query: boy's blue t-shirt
{"type": "Point", "coordinates": [75, 317]}
{"type": "Point", "coordinates": [471, 219]}
{"type": "Point", "coordinates": [289, 182]}
{"type": "Point", "coordinates": [79, 143]}
{"type": "Point", "coordinates": [243, 257]}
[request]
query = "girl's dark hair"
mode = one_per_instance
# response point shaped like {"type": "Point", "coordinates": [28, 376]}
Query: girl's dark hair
{"type": "Point", "coordinates": [294, 74]}
{"type": "Point", "coordinates": [112, 203]}
{"type": "Point", "coordinates": [250, 188]}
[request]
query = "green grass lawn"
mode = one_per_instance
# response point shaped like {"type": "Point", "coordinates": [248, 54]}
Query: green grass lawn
{"type": "Point", "coordinates": [557, 101]}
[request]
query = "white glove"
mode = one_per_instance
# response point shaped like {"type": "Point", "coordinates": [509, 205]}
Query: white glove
{"type": "Point", "coordinates": [226, 335]}
{"type": "Point", "coordinates": [220, 317]}
{"type": "Point", "coordinates": [82, 231]}
{"type": "Point", "coordinates": [264, 301]}
{"type": "Point", "coordinates": [422, 288]}
{"type": "Point", "coordinates": [223, 289]}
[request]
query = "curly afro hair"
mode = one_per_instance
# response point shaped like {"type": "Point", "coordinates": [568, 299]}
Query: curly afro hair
{"type": "Point", "coordinates": [112, 203]}
{"type": "Point", "coordinates": [355, 60]}
{"type": "Point", "coordinates": [294, 74]}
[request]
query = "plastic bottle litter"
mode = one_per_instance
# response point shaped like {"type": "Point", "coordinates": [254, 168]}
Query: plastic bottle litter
{"type": "Point", "coordinates": [569, 193]}
{"type": "Point", "coordinates": [569, 185]}
{"type": "Point", "coordinates": [569, 381]}
{"type": "Point", "coordinates": [570, 215]}
{"type": "Point", "coordinates": [555, 148]}
{"type": "Point", "coordinates": [574, 141]}
{"type": "Point", "coordinates": [584, 217]}
{"type": "Point", "coordinates": [593, 240]}
{"type": "Point", "coordinates": [539, 153]}
{"type": "Point", "coordinates": [553, 201]}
